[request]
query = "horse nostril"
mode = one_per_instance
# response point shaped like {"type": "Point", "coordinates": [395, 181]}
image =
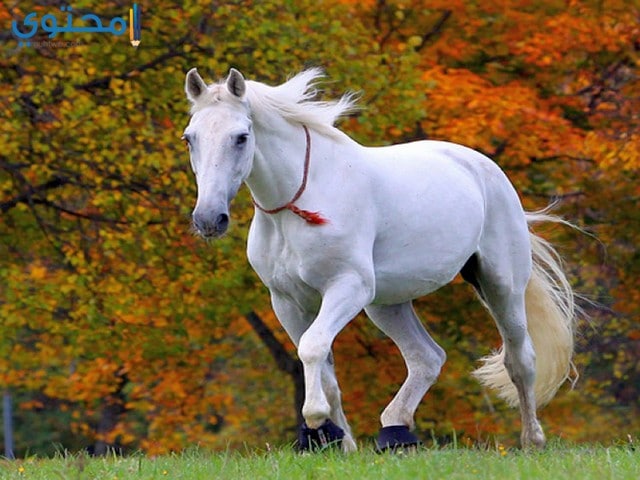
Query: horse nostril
{"type": "Point", "coordinates": [222, 222]}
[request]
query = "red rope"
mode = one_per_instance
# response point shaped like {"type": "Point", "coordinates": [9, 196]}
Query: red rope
{"type": "Point", "coordinates": [314, 218]}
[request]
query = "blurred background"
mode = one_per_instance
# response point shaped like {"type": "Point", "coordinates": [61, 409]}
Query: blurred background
{"type": "Point", "coordinates": [120, 328]}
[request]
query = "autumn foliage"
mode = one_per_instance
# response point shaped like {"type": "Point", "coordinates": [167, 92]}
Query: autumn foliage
{"type": "Point", "coordinates": [119, 327]}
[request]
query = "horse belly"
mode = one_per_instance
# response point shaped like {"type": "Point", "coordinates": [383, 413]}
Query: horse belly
{"type": "Point", "coordinates": [393, 287]}
{"type": "Point", "coordinates": [424, 245]}
{"type": "Point", "coordinates": [411, 270]}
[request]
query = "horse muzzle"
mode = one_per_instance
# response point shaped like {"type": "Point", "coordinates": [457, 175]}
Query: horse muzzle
{"type": "Point", "coordinates": [210, 226]}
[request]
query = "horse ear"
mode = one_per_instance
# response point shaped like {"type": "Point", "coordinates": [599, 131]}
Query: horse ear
{"type": "Point", "coordinates": [236, 83]}
{"type": "Point", "coordinates": [194, 85]}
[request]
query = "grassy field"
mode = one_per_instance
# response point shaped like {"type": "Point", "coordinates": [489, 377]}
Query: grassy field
{"type": "Point", "coordinates": [557, 462]}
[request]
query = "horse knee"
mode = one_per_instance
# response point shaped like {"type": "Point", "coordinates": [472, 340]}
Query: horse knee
{"type": "Point", "coordinates": [313, 348]}
{"type": "Point", "coordinates": [431, 373]}
{"type": "Point", "coordinates": [427, 364]}
{"type": "Point", "coordinates": [442, 355]}
{"type": "Point", "coordinates": [520, 362]}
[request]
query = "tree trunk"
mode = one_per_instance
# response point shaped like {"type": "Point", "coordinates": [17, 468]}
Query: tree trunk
{"type": "Point", "coordinates": [285, 362]}
{"type": "Point", "coordinates": [7, 416]}
{"type": "Point", "coordinates": [108, 420]}
{"type": "Point", "coordinates": [112, 409]}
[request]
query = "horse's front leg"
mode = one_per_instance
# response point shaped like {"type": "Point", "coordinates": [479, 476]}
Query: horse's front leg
{"type": "Point", "coordinates": [296, 321]}
{"type": "Point", "coordinates": [342, 300]}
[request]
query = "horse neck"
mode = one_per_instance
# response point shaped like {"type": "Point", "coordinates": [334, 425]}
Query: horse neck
{"type": "Point", "coordinates": [278, 162]}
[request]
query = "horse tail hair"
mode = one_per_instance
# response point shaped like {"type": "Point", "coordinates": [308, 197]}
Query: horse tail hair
{"type": "Point", "coordinates": [551, 319]}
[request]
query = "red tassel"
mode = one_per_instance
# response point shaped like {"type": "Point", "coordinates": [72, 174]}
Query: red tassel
{"type": "Point", "coordinates": [314, 218]}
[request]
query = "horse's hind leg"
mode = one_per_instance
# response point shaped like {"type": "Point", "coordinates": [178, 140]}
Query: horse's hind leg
{"type": "Point", "coordinates": [502, 287]}
{"type": "Point", "coordinates": [423, 356]}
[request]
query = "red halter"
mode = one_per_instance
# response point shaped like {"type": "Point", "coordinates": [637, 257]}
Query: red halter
{"type": "Point", "coordinates": [314, 218]}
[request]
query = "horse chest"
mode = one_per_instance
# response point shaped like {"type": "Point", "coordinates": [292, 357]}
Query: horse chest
{"type": "Point", "coordinates": [281, 271]}
{"type": "Point", "coordinates": [276, 261]}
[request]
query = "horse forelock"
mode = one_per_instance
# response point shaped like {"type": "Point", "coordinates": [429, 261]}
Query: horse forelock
{"type": "Point", "coordinates": [214, 94]}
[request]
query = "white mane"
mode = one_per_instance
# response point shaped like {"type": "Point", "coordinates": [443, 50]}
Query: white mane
{"type": "Point", "coordinates": [293, 100]}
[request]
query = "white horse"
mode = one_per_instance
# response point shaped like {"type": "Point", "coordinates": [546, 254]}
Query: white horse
{"type": "Point", "coordinates": [339, 227]}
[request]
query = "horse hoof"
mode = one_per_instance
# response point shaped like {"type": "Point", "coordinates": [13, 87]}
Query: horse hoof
{"type": "Point", "coordinates": [315, 439]}
{"type": "Point", "coordinates": [396, 438]}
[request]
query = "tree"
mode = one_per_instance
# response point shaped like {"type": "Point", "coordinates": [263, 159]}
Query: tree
{"type": "Point", "coordinates": [115, 318]}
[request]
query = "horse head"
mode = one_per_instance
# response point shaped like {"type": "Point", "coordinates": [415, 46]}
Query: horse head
{"type": "Point", "coordinates": [221, 145]}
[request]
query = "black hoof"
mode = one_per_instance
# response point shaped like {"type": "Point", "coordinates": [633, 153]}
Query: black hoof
{"type": "Point", "coordinates": [396, 437]}
{"type": "Point", "coordinates": [314, 439]}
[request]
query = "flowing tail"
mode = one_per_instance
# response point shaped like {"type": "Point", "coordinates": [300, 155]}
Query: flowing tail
{"type": "Point", "coordinates": [551, 315]}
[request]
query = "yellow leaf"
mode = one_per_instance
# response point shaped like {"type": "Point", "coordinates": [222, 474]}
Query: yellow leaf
{"type": "Point", "coordinates": [38, 272]}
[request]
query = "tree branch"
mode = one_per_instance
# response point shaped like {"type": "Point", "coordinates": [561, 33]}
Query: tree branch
{"type": "Point", "coordinates": [103, 82]}
{"type": "Point", "coordinates": [28, 195]}
{"type": "Point", "coordinates": [436, 29]}
{"type": "Point", "coordinates": [284, 361]}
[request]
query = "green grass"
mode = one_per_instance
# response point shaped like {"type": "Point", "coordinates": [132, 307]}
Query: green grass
{"type": "Point", "coordinates": [556, 462]}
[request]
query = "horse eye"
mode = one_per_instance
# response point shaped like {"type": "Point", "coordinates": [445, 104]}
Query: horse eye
{"type": "Point", "coordinates": [186, 141]}
{"type": "Point", "coordinates": [242, 139]}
